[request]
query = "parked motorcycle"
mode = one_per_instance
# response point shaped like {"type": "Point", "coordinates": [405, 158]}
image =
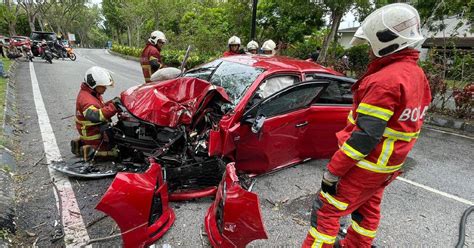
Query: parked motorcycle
{"type": "Point", "coordinates": [70, 53]}
{"type": "Point", "coordinates": [26, 49]}
{"type": "Point", "coordinates": [45, 52]}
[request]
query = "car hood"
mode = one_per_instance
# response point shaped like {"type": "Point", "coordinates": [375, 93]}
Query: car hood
{"type": "Point", "coordinates": [173, 102]}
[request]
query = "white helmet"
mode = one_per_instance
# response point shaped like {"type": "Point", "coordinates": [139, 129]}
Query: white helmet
{"type": "Point", "coordinates": [252, 45]}
{"type": "Point", "coordinates": [98, 76]}
{"type": "Point", "coordinates": [269, 45]}
{"type": "Point", "coordinates": [155, 36]}
{"type": "Point", "coordinates": [165, 74]}
{"type": "Point", "coordinates": [389, 29]}
{"type": "Point", "coordinates": [234, 40]}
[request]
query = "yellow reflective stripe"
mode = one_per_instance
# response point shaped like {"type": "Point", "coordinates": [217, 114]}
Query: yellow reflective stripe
{"type": "Point", "coordinates": [364, 164]}
{"type": "Point", "coordinates": [387, 150]}
{"type": "Point", "coordinates": [405, 136]}
{"type": "Point", "coordinates": [333, 201]}
{"type": "Point", "coordinates": [351, 118]}
{"type": "Point", "coordinates": [87, 123]}
{"type": "Point", "coordinates": [362, 231]}
{"type": "Point", "coordinates": [351, 152]}
{"type": "Point", "coordinates": [93, 108]}
{"type": "Point", "coordinates": [101, 114]}
{"type": "Point", "coordinates": [321, 238]}
{"type": "Point", "coordinates": [374, 111]}
{"type": "Point", "coordinates": [153, 58]}
{"type": "Point", "coordinates": [93, 137]}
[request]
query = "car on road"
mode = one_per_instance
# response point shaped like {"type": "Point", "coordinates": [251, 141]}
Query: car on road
{"type": "Point", "coordinates": [37, 36]}
{"type": "Point", "coordinates": [221, 123]}
{"type": "Point", "coordinates": [20, 41]}
{"type": "Point", "coordinates": [5, 40]}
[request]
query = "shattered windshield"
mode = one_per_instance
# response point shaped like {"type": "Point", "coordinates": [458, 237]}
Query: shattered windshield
{"type": "Point", "coordinates": [235, 78]}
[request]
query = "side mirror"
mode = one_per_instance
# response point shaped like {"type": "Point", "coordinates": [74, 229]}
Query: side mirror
{"type": "Point", "coordinates": [258, 123]}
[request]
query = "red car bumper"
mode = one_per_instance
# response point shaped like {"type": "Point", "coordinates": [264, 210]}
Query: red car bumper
{"type": "Point", "coordinates": [138, 202]}
{"type": "Point", "coordinates": [234, 219]}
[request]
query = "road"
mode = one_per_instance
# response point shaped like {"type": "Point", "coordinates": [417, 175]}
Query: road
{"type": "Point", "coordinates": [423, 211]}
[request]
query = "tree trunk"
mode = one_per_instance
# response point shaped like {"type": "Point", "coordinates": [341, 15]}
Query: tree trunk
{"type": "Point", "coordinates": [31, 22]}
{"type": "Point", "coordinates": [335, 21]}
{"type": "Point", "coordinates": [119, 38]}
{"type": "Point", "coordinates": [129, 36]}
{"type": "Point", "coordinates": [40, 22]}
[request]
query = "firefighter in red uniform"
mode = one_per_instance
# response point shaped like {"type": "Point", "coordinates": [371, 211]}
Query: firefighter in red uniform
{"type": "Point", "coordinates": [92, 114]}
{"type": "Point", "coordinates": [390, 102]}
{"type": "Point", "coordinates": [150, 59]}
{"type": "Point", "coordinates": [234, 46]}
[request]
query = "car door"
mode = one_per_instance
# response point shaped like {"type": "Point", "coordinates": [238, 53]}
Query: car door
{"type": "Point", "coordinates": [271, 131]}
{"type": "Point", "coordinates": [327, 115]}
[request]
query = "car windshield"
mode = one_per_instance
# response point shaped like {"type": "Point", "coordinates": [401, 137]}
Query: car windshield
{"type": "Point", "coordinates": [235, 78]}
{"type": "Point", "coordinates": [19, 38]}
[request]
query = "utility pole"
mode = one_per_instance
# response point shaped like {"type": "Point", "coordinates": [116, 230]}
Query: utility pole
{"type": "Point", "coordinates": [254, 19]}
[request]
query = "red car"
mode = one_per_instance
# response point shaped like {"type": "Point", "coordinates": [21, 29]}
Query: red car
{"type": "Point", "coordinates": [261, 113]}
{"type": "Point", "coordinates": [19, 41]}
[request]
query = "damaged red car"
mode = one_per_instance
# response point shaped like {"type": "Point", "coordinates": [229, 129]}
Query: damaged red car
{"type": "Point", "coordinates": [260, 113]}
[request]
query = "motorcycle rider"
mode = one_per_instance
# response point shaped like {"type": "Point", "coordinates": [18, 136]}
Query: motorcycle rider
{"type": "Point", "coordinates": [390, 101]}
{"type": "Point", "coordinates": [93, 115]}
{"type": "Point", "coordinates": [150, 59]}
{"type": "Point", "coordinates": [252, 47]}
{"type": "Point", "coordinates": [234, 46]}
{"type": "Point", "coordinates": [268, 47]}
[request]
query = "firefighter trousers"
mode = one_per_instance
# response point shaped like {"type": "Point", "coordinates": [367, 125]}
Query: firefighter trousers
{"type": "Point", "coordinates": [362, 203]}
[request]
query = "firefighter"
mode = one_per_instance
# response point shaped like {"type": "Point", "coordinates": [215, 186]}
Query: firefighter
{"type": "Point", "coordinates": [150, 59]}
{"type": "Point", "coordinates": [92, 116]}
{"type": "Point", "coordinates": [390, 102]}
{"type": "Point", "coordinates": [234, 46]}
{"type": "Point", "coordinates": [268, 47]}
{"type": "Point", "coordinates": [252, 47]}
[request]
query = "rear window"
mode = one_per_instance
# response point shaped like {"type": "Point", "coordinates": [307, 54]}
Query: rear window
{"type": "Point", "coordinates": [43, 36]}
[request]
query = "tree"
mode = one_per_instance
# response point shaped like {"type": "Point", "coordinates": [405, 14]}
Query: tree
{"type": "Point", "coordinates": [8, 14]}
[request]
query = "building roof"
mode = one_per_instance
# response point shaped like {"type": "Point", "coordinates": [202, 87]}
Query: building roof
{"type": "Point", "coordinates": [453, 30]}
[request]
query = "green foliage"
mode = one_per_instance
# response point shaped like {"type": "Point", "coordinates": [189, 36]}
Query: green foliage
{"type": "Point", "coordinates": [358, 59]}
{"type": "Point", "coordinates": [170, 57]}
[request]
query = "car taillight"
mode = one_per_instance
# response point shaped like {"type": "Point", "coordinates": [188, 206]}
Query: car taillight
{"type": "Point", "coordinates": [156, 207]}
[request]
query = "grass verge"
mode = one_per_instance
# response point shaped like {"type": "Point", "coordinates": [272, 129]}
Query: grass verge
{"type": "Point", "coordinates": [3, 87]}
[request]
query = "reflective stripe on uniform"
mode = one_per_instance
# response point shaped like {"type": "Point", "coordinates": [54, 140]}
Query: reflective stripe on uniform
{"type": "Point", "coordinates": [320, 238]}
{"type": "Point", "coordinates": [387, 150]}
{"type": "Point", "coordinates": [405, 136]}
{"type": "Point", "coordinates": [333, 201]}
{"type": "Point", "coordinates": [374, 111]}
{"type": "Point", "coordinates": [364, 164]}
{"type": "Point", "coordinates": [350, 118]}
{"type": "Point", "coordinates": [92, 137]}
{"type": "Point", "coordinates": [95, 110]}
{"type": "Point", "coordinates": [87, 123]}
{"type": "Point", "coordinates": [362, 231]}
{"type": "Point", "coordinates": [351, 152]}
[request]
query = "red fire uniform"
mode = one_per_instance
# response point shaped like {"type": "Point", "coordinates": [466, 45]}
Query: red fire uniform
{"type": "Point", "coordinates": [150, 61]}
{"type": "Point", "coordinates": [390, 102]}
{"type": "Point", "coordinates": [229, 53]}
{"type": "Point", "coordinates": [91, 113]}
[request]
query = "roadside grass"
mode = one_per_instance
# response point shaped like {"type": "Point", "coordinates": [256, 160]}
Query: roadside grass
{"type": "Point", "coordinates": [3, 88]}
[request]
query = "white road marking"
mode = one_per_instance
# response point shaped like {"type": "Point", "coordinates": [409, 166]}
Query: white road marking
{"type": "Point", "coordinates": [75, 233]}
{"type": "Point", "coordinates": [455, 134]}
{"type": "Point", "coordinates": [453, 197]}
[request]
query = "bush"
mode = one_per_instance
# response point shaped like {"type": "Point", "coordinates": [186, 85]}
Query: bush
{"type": "Point", "coordinates": [170, 57]}
{"type": "Point", "coordinates": [358, 59]}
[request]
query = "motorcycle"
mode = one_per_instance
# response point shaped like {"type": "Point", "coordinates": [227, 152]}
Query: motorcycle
{"type": "Point", "coordinates": [45, 52]}
{"type": "Point", "coordinates": [26, 50]}
{"type": "Point", "coordinates": [70, 53]}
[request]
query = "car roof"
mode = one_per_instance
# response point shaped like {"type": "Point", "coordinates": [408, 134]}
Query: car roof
{"type": "Point", "coordinates": [41, 32]}
{"type": "Point", "coordinates": [273, 63]}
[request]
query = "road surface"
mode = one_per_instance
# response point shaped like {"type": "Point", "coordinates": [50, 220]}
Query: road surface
{"type": "Point", "coordinates": [422, 209]}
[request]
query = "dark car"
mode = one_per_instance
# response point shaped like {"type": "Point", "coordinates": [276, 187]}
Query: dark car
{"type": "Point", "coordinates": [261, 113]}
{"type": "Point", "coordinates": [37, 36]}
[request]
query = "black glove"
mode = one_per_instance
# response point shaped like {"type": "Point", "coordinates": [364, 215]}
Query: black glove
{"type": "Point", "coordinates": [329, 183]}
{"type": "Point", "coordinates": [117, 102]}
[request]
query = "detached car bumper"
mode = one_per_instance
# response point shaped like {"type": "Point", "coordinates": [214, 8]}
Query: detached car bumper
{"type": "Point", "coordinates": [234, 219]}
{"type": "Point", "coordinates": [138, 202]}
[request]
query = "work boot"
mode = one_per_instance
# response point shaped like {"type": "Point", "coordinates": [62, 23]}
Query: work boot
{"type": "Point", "coordinates": [87, 152]}
{"type": "Point", "coordinates": [76, 147]}
{"type": "Point", "coordinates": [112, 154]}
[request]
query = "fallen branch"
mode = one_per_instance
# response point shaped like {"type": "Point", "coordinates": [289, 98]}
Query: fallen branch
{"type": "Point", "coordinates": [95, 221]}
{"type": "Point", "coordinates": [41, 159]}
{"type": "Point", "coordinates": [67, 117]}
{"type": "Point", "coordinates": [113, 236]}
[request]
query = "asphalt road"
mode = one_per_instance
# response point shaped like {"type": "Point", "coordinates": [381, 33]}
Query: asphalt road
{"type": "Point", "coordinates": [413, 215]}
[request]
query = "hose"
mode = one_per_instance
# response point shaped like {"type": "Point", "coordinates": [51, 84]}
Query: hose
{"type": "Point", "coordinates": [462, 227]}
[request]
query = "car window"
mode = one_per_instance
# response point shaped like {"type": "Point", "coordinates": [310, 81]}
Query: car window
{"type": "Point", "coordinates": [275, 84]}
{"type": "Point", "coordinates": [203, 72]}
{"type": "Point", "coordinates": [337, 92]}
{"type": "Point", "coordinates": [290, 100]}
